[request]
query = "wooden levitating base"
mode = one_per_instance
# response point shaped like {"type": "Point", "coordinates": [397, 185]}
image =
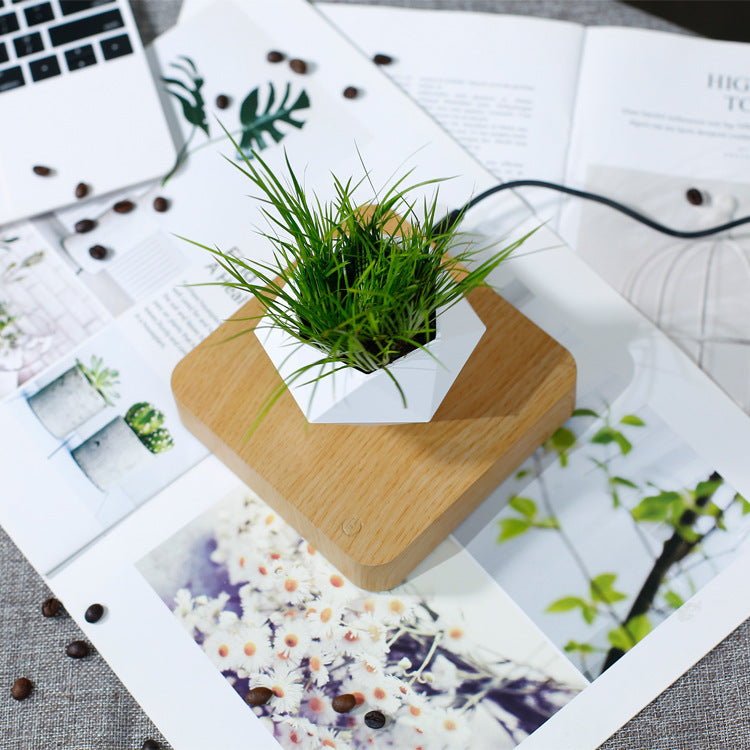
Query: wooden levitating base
{"type": "Point", "coordinates": [377, 499]}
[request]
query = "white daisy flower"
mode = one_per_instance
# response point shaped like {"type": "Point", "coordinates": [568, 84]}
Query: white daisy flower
{"type": "Point", "coordinates": [295, 586]}
{"type": "Point", "coordinates": [255, 648]}
{"type": "Point", "coordinates": [363, 643]}
{"type": "Point", "coordinates": [334, 738]}
{"type": "Point", "coordinates": [291, 733]}
{"type": "Point", "coordinates": [335, 589]}
{"type": "Point", "coordinates": [223, 649]}
{"type": "Point", "coordinates": [320, 657]}
{"type": "Point", "coordinates": [286, 682]}
{"type": "Point", "coordinates": [317, 705]}
{"type": "Point", "coordinates": [324, 619]}
{"type": "Point", "coordinates": [291, 641]}
{"type": "Point", "coordinates": [382, 692]}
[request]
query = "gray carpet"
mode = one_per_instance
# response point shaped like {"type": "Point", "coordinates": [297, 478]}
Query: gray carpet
{"type": "Point", "coordinates": [81, 705]}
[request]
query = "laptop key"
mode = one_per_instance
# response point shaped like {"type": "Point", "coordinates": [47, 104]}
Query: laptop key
{"type": "Point", "coordinates": [8, 23]}
{"type": "Point", "coordinates": [11, 78]}
{"type": "Point", "coordinates": [44, 68]}
{"type": "Point", "coordinates": [116, 46]}
{"type": "Point", "coordinates": [28, 44]}
{"type": "Point", "coordinates": [38, 14]}
{"type": "Point", "coordinates": [76, 6]}
{"type": "Point", "coordinates": [80, 57]}
{"type": "Point", "coordinates": [3, 53]}
{"type": "Point", "coordinates": [75, 30]}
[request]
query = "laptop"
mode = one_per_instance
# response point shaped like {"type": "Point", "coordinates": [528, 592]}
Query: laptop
{"type": "Point", "coordinates": [79, 112]}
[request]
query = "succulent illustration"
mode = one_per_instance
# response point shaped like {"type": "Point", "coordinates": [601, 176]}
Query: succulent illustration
{"type": "Point", "coordinates": [146, 421]}
{"type": "Point", "coordinates": [158, 441]}
{"type": "Point", "coordinates": [104, 379]}
{"type": "Point", "coordinates": [144, 418]}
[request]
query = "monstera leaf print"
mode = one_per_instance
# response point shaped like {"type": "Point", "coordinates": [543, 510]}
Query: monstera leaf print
{"type": "Point", "coordinates": [256, 124]}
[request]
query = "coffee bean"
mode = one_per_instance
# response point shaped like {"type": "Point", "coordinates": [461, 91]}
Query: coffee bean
{"type": "Point", "coordinates": [95, 611]}
{"type": "Point", "coordinates": [375, 719]}
{"type": "Point", "coordinates": [50, 607]}
{"type": "Point", "coordinates": [344, 703]}
{"type": "Point", "coordinates": [694, 196]}
{"type": "Point", "coordinates": [222, 101]}
{"type": "Point", "coordinates": [150, 745]}
{"type": "Point", "coordinates": [21, 688]}
{"type": "Point", "coordinates": [351, 93]}
{"type": "Point", "coordinates": [381, 59]}
{"type": "Point", "coordinates": [98, 252]}
{"type": "Point", "coordinates": [82, 190]}
{"type": "Point", "coordinates": [259, 696]}
{"type": "Point", "coordinates": [84, 225]}
{"type": "Point", "coordinates": [77, 649]}
{"type": "Point", "coordinates": [298, 66]}
{"type": "Point", "coordinates": [161, 204]}
{"type": "Point", "coordinates": [124, 207]}
{"type": "Point", "coordinates": [42, 171]}
{"type": "Point", "coordinates": [274, 56]}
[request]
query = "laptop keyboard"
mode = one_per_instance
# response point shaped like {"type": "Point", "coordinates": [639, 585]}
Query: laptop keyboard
{"type": "Point", "coordinates": [40, 40]}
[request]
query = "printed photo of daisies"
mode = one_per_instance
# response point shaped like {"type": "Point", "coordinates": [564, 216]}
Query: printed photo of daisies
{"type": "Point", "coordinates": [447, 658]}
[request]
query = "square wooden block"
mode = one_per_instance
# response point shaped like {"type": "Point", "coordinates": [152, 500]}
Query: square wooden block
{"type": "Point", "coordinates": [377, 499]}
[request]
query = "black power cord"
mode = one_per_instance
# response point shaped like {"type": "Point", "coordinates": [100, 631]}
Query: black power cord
{"type": "Point", "coordinates": [457, 214]}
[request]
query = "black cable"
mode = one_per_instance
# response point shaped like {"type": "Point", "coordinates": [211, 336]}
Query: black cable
{"type": "Point", "coordinates": [457, 214]}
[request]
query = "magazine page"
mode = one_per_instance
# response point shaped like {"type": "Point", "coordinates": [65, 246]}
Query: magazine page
{"type": "Point", "coordinates": [662, 126]}
{"type": "Point", "coordinates": [502, 636]}
{"type": "Point", "coordinates": [479, 76]}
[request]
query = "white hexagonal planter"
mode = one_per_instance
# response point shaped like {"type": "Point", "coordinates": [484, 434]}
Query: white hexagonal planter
{"type": "Point", "coordinates": [350, 396]}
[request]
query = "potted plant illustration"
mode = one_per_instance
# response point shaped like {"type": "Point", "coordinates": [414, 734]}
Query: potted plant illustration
{"type": "Point", "coordinates": [123, 445]}
{"type": "Point", "coordinates": [75, 396]}
{"type": "Point", "coordinates": [364, 310]}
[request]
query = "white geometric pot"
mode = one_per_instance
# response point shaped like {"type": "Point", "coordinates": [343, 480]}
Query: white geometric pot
{"type": "Point", "coordinates": [67, 402]}
{"type": "Point", "coordinates": [111, 454]}
{"type": "Point", "coordinates": [353, 397]}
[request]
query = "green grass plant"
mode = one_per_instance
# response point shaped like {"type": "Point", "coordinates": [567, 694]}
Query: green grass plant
{"type": "Point", "coordinates": [364, 285]}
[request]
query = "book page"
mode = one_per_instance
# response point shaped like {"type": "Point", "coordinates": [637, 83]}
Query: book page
{"type": "Point", "coordinates": [663, 125]}
{"type": "Point", "coordinates": [502, 86]}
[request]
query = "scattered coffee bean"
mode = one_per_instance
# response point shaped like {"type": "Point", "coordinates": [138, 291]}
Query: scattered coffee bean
{"type": "Point", "coordinates": [161, 204]}
{"type": "Point", "coordinates": [375, 719]}
{"type": "Point", "coordinates": [222, 101]}
{"type": "Point", "coordinates": [381, 59]}
{"type": "Point", "coordinates": [351, 93]}
{"type": "Point", "coordinates": [84, 225]}
{"type": "Point", "coordinates": [259, 696]}
{"type": "Point", "coordinates": [694, 196]}
{"type": "Point", "coordinates": [123, 207]}
{"type": "Point", "coordinates": [298, 66]}
{"type": "Point", "coordinates": [343, 703]}
{"type": "Point", "coordinates": [21, 688]}
{"type": "Point", "coordinates": [150, 745]}
{"type": "Point", "coordinates": [42, 171]}
{"type": "Point", "coordinates": [98, 252]}
{"type": "Point", "coordinates": [50, 607]}
{"type": "Point", "coordinates": [95, 611]}
{"type": "Point", "coordinates": [82, 190]}
{"type": "Point", "coordinates": [77, 649]}
{"type": "Point", "coordinates": [274, 56]}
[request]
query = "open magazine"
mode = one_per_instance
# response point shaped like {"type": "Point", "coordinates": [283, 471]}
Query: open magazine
{"type": "Point", "coordinates": [609, 563]}
{"type": "Point", "coordinates": [657, 121]}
